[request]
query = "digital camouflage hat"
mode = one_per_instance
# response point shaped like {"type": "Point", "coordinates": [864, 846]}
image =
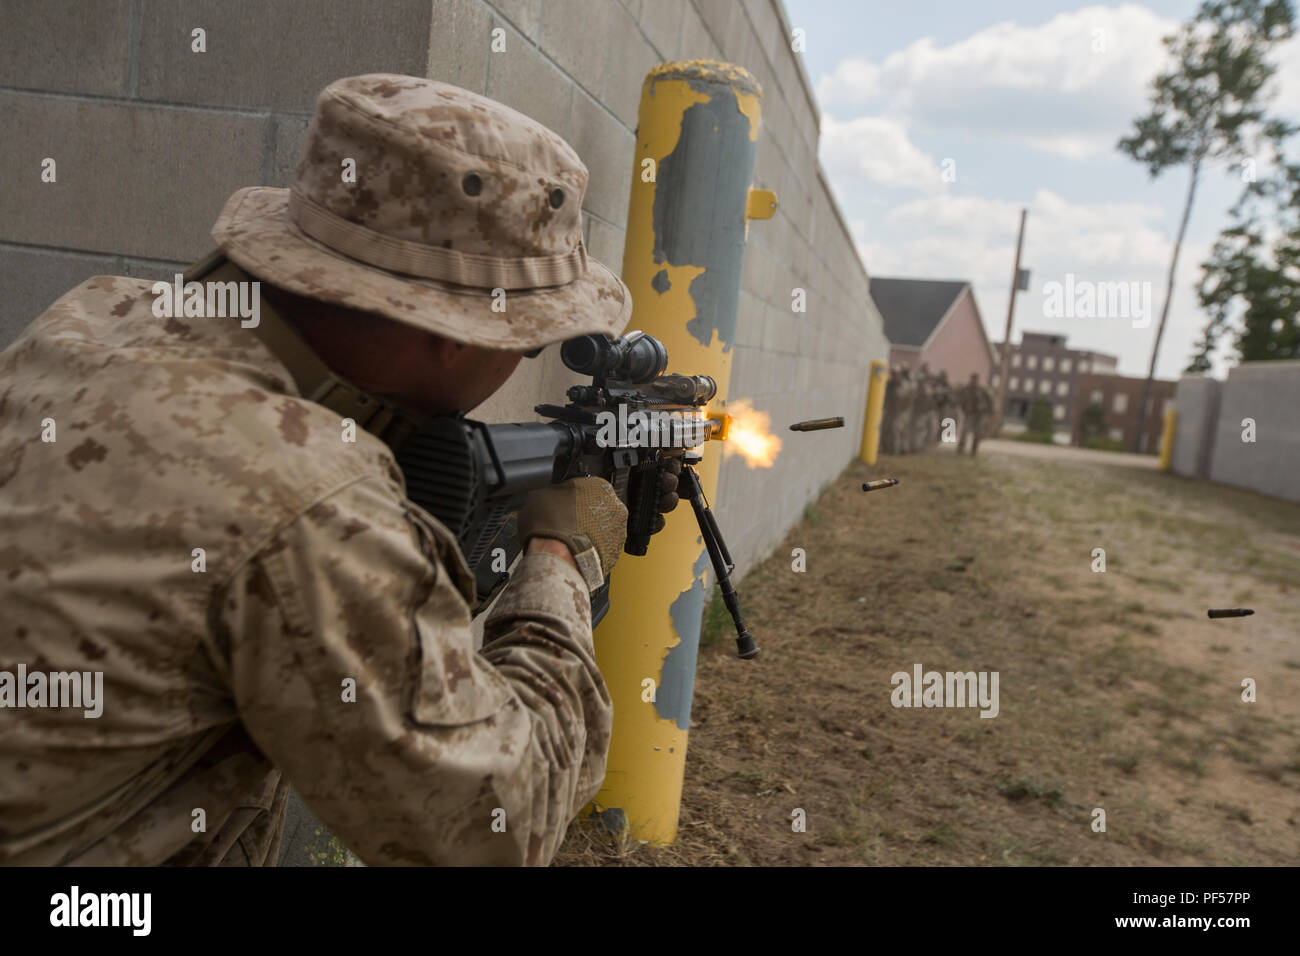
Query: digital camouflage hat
{"type": "Point", "coordinates": [430, 205]}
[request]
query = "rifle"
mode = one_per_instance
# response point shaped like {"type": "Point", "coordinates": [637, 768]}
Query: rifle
{"type": "Point", "coordinates": [630, 426]}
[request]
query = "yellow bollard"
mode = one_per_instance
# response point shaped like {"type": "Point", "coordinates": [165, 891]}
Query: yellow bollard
{"type": "Point", "coordinates": [879, 376]}
{"type": "Point", "coordinates": [1167, 439]}
{"type": "Point", "coordinates": [697, 135]}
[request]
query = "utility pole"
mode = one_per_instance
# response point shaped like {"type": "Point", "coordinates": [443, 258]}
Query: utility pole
{"type": "Point", "coordinates": [1004, 364]}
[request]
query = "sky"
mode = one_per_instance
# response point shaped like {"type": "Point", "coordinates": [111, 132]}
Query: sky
{"type": "Point", "coordinates": [942, 119]}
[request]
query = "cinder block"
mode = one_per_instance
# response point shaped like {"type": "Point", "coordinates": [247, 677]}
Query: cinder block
{"type": "Point", "coordinates": [290, 138]}
{"type": "Point", "coordinates": [61, 45]}
{"type": "Point", "coordinates": [575, 34]}
{"type": "Point", "coordinates": [460, 37]}
{"type": "Point", "coordinates": [32, 278]}
{"type": "Point", "coordinates": [724, 20]}
{"type": "Point", "coordinates": [523, 79]}
{"type": "Point", "coordinates": [276, 55]}
{"type": "Point", "coordinates": [522, 14]}
{"type": "Point", "coordinates": [606, 245]}
{"type": "Point", "coordinates": [606, 147]}
{"type": "Point", "coordinates": [767, 26]}
{"type": "Point", "coordinates": [750, 320]}
{"type": "Point", "coordinates": [697, 42]}
{"type": "Point", "coordinates": [630, 59]}
{"type": "Point", "coordinates": [134, 180]}
{"type": "Point", "coordinates": [661, 20]}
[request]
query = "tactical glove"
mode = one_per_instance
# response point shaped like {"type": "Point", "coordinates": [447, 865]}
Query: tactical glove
{"type": "Point", "coordinates": [586, 515]}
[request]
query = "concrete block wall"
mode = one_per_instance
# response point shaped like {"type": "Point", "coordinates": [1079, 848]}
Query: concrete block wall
{"type": "Point", "coordinates": [150, 138]}
{"type": "Point", "coordinates": [1209, 443]}
{"type": "Point", "coordinates": [1268, 393]}
{"type": "Point", "coordinates": [1197, 401]}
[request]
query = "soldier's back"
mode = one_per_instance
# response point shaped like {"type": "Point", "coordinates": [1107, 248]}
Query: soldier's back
{"type": "Point", "coordinates": [179, 448]}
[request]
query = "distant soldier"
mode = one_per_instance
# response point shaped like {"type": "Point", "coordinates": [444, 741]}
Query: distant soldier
{"type": "Point", "coordinates": [977, 410]}
{"type": "Point", "coordinates": [903, 418]}
{"type": "Point", "coordinates": [924, 424]}
{"type": "Point", "coordinates": [945, 399]}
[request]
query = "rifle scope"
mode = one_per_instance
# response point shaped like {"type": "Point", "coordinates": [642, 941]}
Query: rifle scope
{"type": "Point", "coordinates": [636, 357]}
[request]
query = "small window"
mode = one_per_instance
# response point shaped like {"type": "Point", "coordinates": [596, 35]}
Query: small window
{"type": "Point", "coordinates": [1117, 434]}
{"type": "Point", "coordinates": [1013, 383]}
{"type": "Point", "coordinates": [1065, 365]}
{"type": "Point", "coordinates": [993, 381]}
{"type": "Point", "coordinates": [1029, 385]}
{"type": "Point", "coordinates": [1015, 360]}
{"type": "Point", "coordinates": [1083, 367]}
{"type": "Point", "coordinates": [1031, 361]}
{"type": "Point", "coordinates": [1062, 388]}
{"type": "Point", "coordinates": [1049, 363]}
{"type": "Point", "coordinates": [1045, 386]}
{"type": "Point", "coordinates": [1058, 412]}
{"type": "Point", "coordinates": [1095, 397]}
{"type": "Point", "coordinates": [1121, 402]}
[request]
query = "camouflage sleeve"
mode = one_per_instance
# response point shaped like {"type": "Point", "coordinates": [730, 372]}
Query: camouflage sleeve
{"type": "Point", "coordinates": [352, 665]}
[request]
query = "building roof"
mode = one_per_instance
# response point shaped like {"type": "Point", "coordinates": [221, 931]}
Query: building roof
{"type": "Point", "coordinates": [912, 308]}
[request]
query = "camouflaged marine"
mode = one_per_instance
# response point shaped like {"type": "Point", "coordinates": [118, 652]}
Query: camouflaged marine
{"type": "Point", "coordinates": [207, 512]}
{"type": "Point", "coordinates": [901, 442]}
{"type": "Point", "coordinates": [977, 414]}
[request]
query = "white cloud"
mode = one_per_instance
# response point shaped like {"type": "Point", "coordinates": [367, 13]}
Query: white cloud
{"type": "Point", "coordinates": [1047, 86]}
{"type": "Point", "coordinates": [877, 150]}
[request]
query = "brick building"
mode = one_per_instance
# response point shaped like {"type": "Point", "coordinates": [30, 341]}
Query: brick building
{"type": "Point", "coordinates": [1120, 396]}
{"type": "Point", "coordinates": [1043, 367]}
{"type": "Point", "coordinates": [936, 323]}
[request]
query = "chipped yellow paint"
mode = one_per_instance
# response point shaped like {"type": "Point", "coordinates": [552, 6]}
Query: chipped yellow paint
{"type": "Point", "coordinates": [647, 755]}
{"type": "Point", "coordinates": [753, 110]}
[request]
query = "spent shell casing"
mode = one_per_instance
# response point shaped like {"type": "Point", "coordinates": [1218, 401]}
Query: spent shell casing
{"type": "Point", "coordinates": [1229, 612]}
{"type": "Point", "coordinates": [879, 483]}
{"type": "Point", "coordinates": [817, 424]}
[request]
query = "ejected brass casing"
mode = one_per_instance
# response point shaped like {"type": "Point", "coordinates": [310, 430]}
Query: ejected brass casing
{"type": "Point", "coordinates": [817, 424]}
{"type": "Point", "coordinates": [879, 483]}
{"type": "Point", "coordinates": [1229, 612]}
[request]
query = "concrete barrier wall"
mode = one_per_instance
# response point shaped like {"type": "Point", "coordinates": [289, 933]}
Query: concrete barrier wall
{"type": "Point", "coordinates": [1197, 401]}
{"type": "Point", "coordinates": [1211, 439]}
{"type": "Point", "coordinates": [1269, 394]}
{"type": "Point", "coordinates": [150, 137]}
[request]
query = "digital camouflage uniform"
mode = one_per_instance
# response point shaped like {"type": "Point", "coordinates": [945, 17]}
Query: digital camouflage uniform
{"type": "Point", "coordinates": [925, 424]}
{"type": "Point", "coordinates": [223, 685]}
{"type": "Point", "coordinates": [902, 418]}
{"type": "Point", "coordinates": [946, 400]}
{"type": "Point", "coordinates": [977, 411]}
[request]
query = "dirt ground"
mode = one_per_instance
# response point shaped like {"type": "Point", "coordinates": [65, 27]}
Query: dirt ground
{"type": "Point", "coordinates": [1116, 692]}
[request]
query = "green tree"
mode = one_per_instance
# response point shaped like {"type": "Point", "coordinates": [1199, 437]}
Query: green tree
{"type": "Point", "coordinates": [1207, 109]}
{"type": "Point", "coordinates": [1092, 422]}
{"type": "Point", "coordinates": [1253, 274]}
{"type": "Point", "coordinates": [1040, 418]}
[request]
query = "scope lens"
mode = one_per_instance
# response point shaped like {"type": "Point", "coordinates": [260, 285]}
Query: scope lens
{"type": "Point", "coordinates": [585, 354]}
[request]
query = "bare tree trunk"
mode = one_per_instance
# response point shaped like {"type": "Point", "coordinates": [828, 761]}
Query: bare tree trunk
{"type": "Point", "coordinates": [1164, 312]}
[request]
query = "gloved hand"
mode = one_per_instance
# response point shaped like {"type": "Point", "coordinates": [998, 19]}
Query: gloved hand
{"type": "Point", "coordinates": [668, 498]}
{"type": "Point", "coordinates": [586, 515]}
